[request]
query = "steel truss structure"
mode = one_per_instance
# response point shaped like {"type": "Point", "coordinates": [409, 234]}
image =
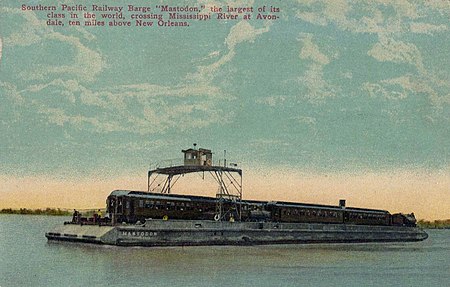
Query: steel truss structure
{"type": "Point", "coordinates": [229, 181]}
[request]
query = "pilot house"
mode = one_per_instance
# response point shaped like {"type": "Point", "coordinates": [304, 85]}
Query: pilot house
{"type": "Point", "coordinates": [197, 157]}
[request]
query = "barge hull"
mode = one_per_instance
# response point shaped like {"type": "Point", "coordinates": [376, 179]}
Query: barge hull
{"type": "Point", "coordinates": [197, 233]}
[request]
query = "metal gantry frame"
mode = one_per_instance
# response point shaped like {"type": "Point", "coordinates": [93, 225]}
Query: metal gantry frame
{"type": "Point", "coordinates": [229, 185]}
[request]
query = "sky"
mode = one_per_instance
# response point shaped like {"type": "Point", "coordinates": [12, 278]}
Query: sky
{"type": "Point", "coordinates": [334, 99]}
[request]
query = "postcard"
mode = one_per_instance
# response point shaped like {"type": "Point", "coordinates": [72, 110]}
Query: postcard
{"type": "Point", "coordinates": [314, 100]}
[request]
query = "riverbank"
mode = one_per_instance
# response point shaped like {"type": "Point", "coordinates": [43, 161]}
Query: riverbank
{"type": "Point", "coordinates": [436, 224]}
{"type": "Point", "coordinates": [51, 211]}
{"type": "Point", "coordinates": [47, 211]}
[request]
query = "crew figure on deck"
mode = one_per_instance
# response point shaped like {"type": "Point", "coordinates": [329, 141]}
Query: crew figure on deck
{"type": "Point", "coordinates": [75, 216]}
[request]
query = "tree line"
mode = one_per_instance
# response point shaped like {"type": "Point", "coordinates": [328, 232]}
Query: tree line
{"type": "Point", "coordinates": [47, 211]}
{"type": "Point", "coordinates": [438, 224]}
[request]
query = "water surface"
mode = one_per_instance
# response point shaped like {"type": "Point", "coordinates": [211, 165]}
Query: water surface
{"type": "Point", "coordinates": [27, 259]}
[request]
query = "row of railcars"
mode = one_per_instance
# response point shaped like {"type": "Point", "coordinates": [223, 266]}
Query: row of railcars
{"type": "Point", "coordinates": [134, 206]}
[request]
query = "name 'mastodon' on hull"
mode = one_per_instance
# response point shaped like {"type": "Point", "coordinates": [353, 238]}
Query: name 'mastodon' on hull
{"type": "Point", "coordinates": [159, 217]}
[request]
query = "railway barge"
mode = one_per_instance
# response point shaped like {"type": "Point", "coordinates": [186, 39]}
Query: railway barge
{"type": "Point", "coordinates": [157, 217]}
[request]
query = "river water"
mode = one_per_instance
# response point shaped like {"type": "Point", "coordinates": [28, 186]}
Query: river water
{"type": "Point", "coordinates": [27, 259]}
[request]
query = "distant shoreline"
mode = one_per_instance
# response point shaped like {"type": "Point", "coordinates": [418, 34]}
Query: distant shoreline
{"type": "Point", "coordinates": [48, 211]}
{"type": "Point", "coordinates": [436, 224]}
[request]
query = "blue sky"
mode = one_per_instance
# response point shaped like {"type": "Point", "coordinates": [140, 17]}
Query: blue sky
{"type": "Point", "coordinates": [330, 87]}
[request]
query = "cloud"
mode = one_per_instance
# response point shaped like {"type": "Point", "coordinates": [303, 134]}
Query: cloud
{"type": "Point", "coordinates": [392, 22]}
{"type": "Point", "coordinates": [390, 50]}
{"type": "Point", "coordinates": [311, 121]}
{"type": "Point", "coordinates": [113, 109]}
{"type": "Point", "coordinates": [374, 20]}
{"type": "Point", "coordinates": [388, 27]}
{"type": "Point", "coordinates": [10, 92]}
{"type": "Point", "coordinates": [29, 32]}
{"type": "Point", "coordinates": [243, 31]}
{"type": "Point", "coordinates": [312, 18]}
{"type": "Point", "coordinates": [143, 108]}
{"type": "Point", "coordinates": [405, 86]}
{"type": "Point", "coordinates": [384, 90]}
{"type": "Point", "coordinates": [86, 63]}
{"type": "Point", "coordinates": [147, 107]}
{"type": "Point", "coordinates": [427, 28]}
{"type": "Point", "coordinates": [310, 51]}
{"type": "Point", "coordinates": [317, 88]}
{"type": "Point", "coordinates": [272, 101]}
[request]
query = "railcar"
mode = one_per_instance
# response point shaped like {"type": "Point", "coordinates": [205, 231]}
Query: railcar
{"type": "Point", "coordinates": [292, 212]}
{"type": "Point", "coordinates": [134, 206]}
{"type": "Point", "coordinates": [366, 217]}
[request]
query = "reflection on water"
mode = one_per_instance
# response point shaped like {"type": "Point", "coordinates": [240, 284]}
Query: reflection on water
{"type": "Point", "coordinates": [27, 259]}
